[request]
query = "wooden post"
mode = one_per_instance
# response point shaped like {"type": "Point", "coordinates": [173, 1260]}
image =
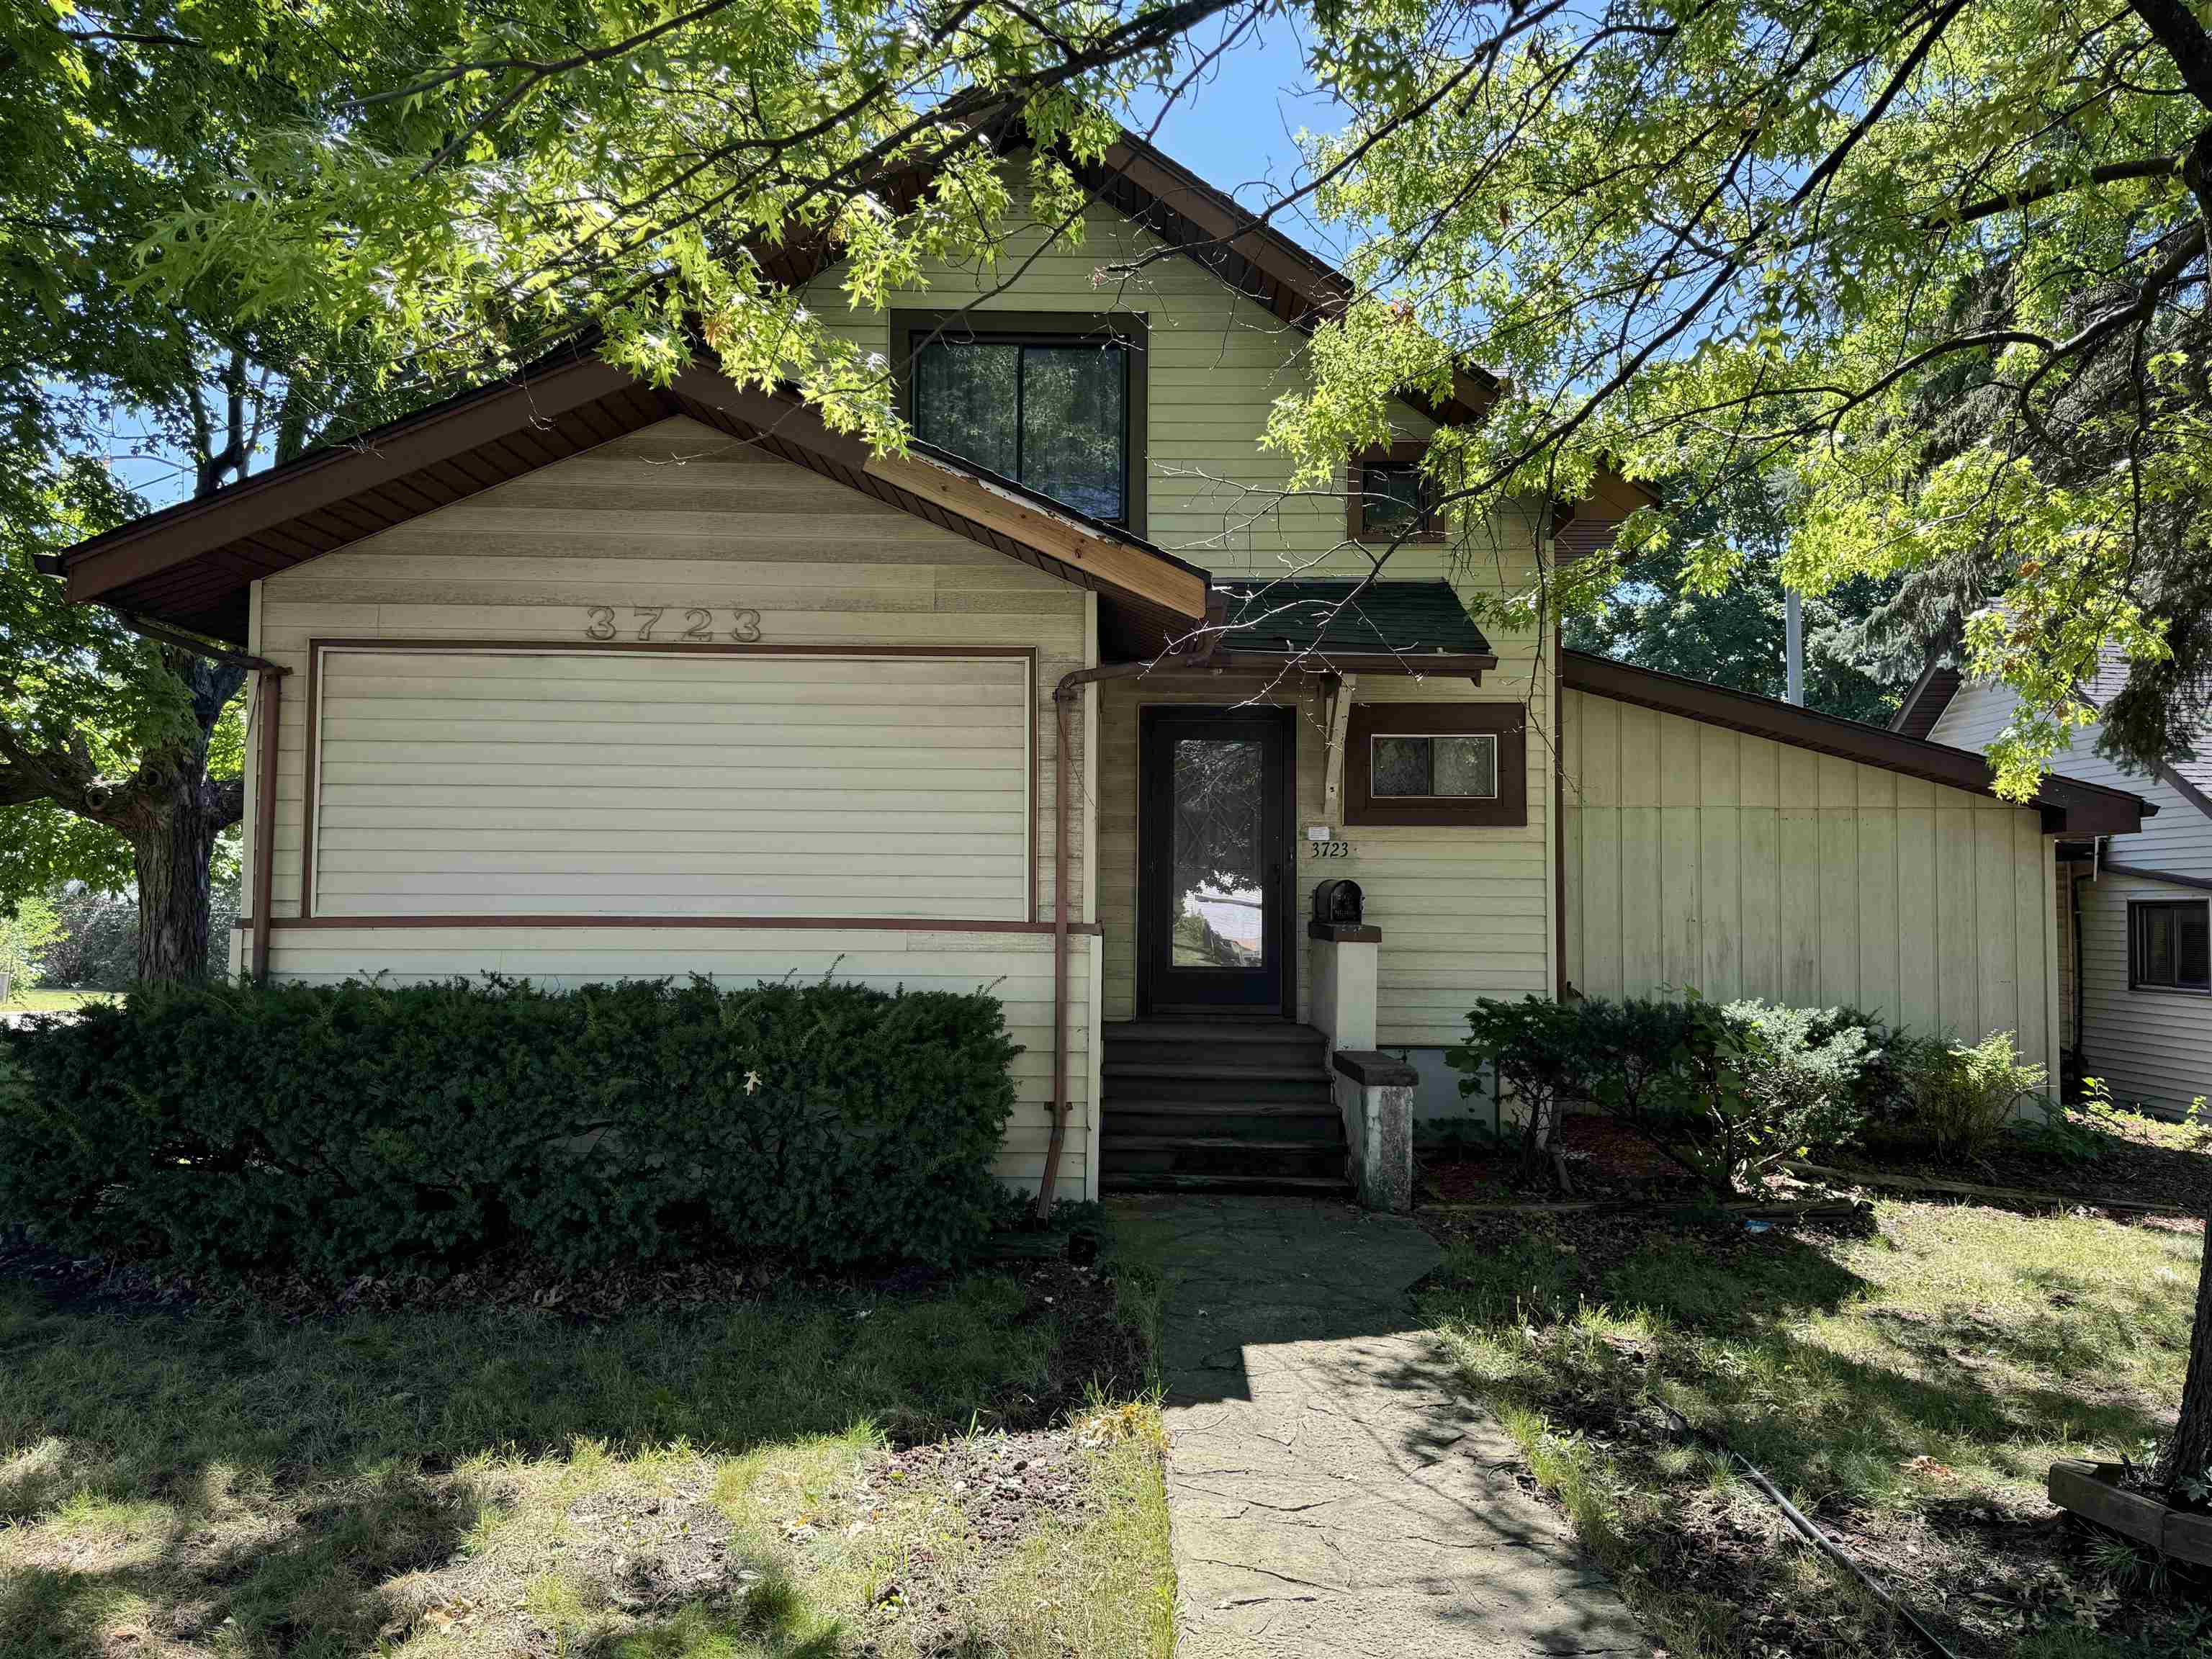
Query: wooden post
{"type": "Point", "coordinates": [271, 688]}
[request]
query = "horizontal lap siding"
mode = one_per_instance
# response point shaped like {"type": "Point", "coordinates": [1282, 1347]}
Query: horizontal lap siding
{"type": "Point", "coordinates": [671, 785]}
{"type": "Point", "coordinates": [1016, 969]}
{"type": "Point", "coordinates": [2152, 1047]}
{"type": "Point", "coordinates": [1465, 913]}
{"type": "Point", "coordinates": [1698, 856]}
{"type": "Point", "coordinates": [678, 515]}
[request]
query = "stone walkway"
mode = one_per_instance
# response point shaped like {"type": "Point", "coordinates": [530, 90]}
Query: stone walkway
{"type": "Point", "coordinates": [1331, 1489]}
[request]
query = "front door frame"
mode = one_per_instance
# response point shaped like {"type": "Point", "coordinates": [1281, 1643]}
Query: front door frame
{"type": "Point", "coordinates": [1157, 725]}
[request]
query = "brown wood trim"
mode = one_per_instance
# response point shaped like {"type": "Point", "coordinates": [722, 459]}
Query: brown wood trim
{"type": "Point", "coordinates": [768, 924]}
{"type": "Point", "coordinates": [2170, 877]}
{"type": "Point", "coordinates": [1126, 328]}
{"type": "Point", "coordinates": [1406, 452]}
{"type": "Point", "coordinates": [1456, 664]}
{"type": "Point", "coordinates": [1507, 722]}
{"type": "Point", "coordinates": [2070, 805]}
{"type": "Point", "coordinates": [271, 687]}
{"type": "Point", "coordinates": [313, 733]}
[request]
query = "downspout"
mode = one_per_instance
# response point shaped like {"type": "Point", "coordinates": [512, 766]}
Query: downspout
{"type": "Point", "coordinates": [270, 685]}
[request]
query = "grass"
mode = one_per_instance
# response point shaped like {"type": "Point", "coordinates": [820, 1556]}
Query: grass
{"type": "Point", "coordinates": [789, 1478]}
{"type": "Point", "coordinates": [34, 1001]}
{"type": "Point", "coordinates": [1911, 1389]}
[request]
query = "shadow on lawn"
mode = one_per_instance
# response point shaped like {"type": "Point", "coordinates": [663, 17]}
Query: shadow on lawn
{"type": "Point", "coordinates": [179, 1475]}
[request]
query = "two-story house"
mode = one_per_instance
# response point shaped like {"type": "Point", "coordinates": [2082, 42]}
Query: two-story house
{"type": "Point", "coordinates": [576, 678]}
{"type": "Point", "coordinates": [2134, 909]}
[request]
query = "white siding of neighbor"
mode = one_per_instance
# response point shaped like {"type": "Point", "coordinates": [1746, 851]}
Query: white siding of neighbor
{"type": "Point", "coordinates": [678, 515]}
{"type": "Point", "coordinates": [2178, 840]}
{"type": "Point", "coordinates": [613, 784]}
{"type": "Point", "coordinates": [1700, 856]}
{"type": "Point", "coordinates": [2152, 1047]}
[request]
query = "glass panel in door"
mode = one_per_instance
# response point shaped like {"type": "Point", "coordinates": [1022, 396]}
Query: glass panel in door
{"type": "Point", "coordinates": [1219, 853]}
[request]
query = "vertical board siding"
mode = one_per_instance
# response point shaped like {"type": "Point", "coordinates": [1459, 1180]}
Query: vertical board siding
{"type": "Point", "coordinates": [2152, 1047]}
{"type": "Point", "coordinates": [1745, 867]}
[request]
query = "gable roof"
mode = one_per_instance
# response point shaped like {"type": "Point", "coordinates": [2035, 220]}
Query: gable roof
{"type": "Point", "coordinates": [192, 564]}
{"type": "Point", "coordinates": [1932, 694]}
{"type": "Point", "coordinates": [1926, 700]}
{"type": "Point", "coordinates": [2068, 806]}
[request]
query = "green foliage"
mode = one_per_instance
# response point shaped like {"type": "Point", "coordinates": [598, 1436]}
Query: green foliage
{"type": "Point", "coordinates": [1537, 1053]}
{"type": "Point", "coordinates": [25, 938]}
{"type": "Point", "coordinates": [1726, 1091]}
{"type": "Point", "coordinates": [1960, 1100]}
{"type": "Point", "coordinates": [355, 1128]}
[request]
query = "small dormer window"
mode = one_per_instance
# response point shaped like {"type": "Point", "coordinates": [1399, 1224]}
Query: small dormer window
{"type": "Point", "coordinates": [1391, 499]}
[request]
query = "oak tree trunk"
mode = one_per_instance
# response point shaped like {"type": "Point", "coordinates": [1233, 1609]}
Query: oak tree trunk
{"type": "Point", "coordinates": [2189, 1451]}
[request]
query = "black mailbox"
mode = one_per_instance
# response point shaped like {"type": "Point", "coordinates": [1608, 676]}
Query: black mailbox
{"type": "Point", "coordinates": [1339, 903]}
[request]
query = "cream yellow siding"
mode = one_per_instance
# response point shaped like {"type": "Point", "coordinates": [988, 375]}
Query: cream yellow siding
{"type": "Point", "coordinates": [679, 518]}
{"type": "Point", "coordinates": [541, 780]}
{"type": "Point", "coordinates": [1465, 913]}
{"type": "Point", "coordinates": [1698, 856]}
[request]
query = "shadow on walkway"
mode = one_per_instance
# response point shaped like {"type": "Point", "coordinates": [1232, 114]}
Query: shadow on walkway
{"type": "Point", "coordinates": [1333, 1491]}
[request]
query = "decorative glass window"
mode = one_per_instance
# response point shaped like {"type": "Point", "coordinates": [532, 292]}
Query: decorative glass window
{"type": "Point", "coordinates": [1405, 766]}
{"type": "Point", "coordinates": [2170, 945]}
{"type": "Point", "coordinates": [1052, 415]}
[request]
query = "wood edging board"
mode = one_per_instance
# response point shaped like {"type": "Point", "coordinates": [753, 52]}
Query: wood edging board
{"type": "Point", "coordinates": [311, 736]}
{"type": "Point", "coordinates": [1969, 1189]}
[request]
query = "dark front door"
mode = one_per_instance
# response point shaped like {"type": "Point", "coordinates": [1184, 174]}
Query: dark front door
{"type": "Point", "coordinates": [1214, 851]}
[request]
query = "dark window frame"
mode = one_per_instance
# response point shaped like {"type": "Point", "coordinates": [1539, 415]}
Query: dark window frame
{"type": "Point", "coordinates": [1432, 739]}
{"type": "Point", "coordinates": [2137, 909]}
{"type": "Point", "coordinates": [910, 330]}
{"type": "Point", "coordinates": [1506, 721]}
{"type": "Point", "coordinates": [1406, 453]}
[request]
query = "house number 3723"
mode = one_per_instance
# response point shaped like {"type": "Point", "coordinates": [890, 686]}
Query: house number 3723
{"type": "Point", "coordinates": [697, 627]}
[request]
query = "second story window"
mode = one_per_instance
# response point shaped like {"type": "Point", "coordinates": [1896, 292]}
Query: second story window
{"type": "Point", "coordinates": [1050, 413]}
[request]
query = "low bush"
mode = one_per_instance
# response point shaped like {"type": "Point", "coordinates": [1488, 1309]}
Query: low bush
{"type": "Point", "coordinates": [350, 1129]}
{"type": "Point", "coordinates": [1728, 1092]}
{"type": "Point", "coordinates": [1959, 1100]}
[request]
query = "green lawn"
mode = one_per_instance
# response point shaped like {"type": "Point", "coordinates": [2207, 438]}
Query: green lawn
{"type": "Point", "coordinates": [1909, 1389]}
{"type": "Point", "coordinates": [830, 1473]}
{"type": "Point", "coordinates": [37, 1001]}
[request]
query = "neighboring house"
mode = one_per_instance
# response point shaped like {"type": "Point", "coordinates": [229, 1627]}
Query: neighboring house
{"type": "Point", "coordinates": [2134, 909]}
{"type": "Point", "coordinates": [575, 678]}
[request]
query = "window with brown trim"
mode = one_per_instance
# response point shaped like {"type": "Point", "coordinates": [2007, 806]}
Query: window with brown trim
{"type": "Point", "coordinates": [1053, 401]}
{"type": "Point", "coordinates": [1453, 764]}
{"type": "Point", "coordinates": [1388, 497]}
{"type": "Point", "coordinates": [2170, 944]}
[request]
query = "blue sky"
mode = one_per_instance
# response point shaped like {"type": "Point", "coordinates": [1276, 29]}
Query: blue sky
{"type": "Point", "coordinates": [1235, 128]}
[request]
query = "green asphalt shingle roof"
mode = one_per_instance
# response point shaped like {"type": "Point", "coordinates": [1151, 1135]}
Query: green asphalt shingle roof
{"type": "Point", "coordinates": [1401, 618]}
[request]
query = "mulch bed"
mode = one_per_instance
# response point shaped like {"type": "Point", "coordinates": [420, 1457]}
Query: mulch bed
{"type": "Point", "coordinates": [2140, 1164]}
{"type": "Point", "coordinates": [1605, 1159]}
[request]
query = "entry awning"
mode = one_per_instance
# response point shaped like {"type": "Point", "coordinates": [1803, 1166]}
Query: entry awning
{"type": "Point", "coordinates": [1343, 625]}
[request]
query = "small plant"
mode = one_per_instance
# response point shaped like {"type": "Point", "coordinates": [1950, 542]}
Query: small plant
{"type": "Point", "coordinates": [1961, 1099]}
{"type": "Point", "coordinates": [1539, 1052]}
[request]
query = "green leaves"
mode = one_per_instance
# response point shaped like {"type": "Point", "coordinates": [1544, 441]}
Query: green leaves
{"type": "Point", "coordinates": [357, 1128]}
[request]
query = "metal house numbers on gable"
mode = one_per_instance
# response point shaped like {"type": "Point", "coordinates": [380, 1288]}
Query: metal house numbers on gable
{"type": "Point", "coordinates": [698, 626]}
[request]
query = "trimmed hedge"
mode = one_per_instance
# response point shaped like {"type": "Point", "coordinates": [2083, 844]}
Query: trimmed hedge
{"type": "Point", "coordinates": [349, 1129]}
